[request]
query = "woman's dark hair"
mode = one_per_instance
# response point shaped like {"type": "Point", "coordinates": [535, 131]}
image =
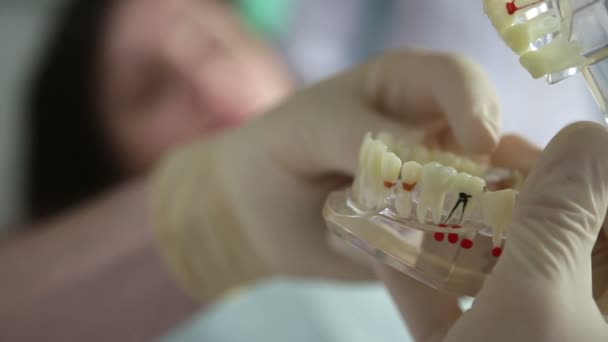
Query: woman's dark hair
{"type": "Point", "coordinates": [69, 159]}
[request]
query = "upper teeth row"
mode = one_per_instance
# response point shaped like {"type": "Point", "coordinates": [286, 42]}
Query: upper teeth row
{"type": "Point", "coordinates": [382, 174]}
{"type": "Point", "coordinates": [422, 155]}
{"type": "Point", "coordinates": [533, 30]}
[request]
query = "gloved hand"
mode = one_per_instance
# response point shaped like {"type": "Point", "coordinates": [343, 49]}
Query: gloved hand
{"type": "Point", "coordinates": [542, 287]}
{"type": "Point", "coordinates": [247, 204]}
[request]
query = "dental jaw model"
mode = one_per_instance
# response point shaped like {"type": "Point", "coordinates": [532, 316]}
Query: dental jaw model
{"type": "Point", "coordinates": [433, 215]}
{"type": "Point", "coordinates": [557, 38]}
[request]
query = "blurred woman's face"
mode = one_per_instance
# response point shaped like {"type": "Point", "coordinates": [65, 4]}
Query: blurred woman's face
{"type": "Point", "coordinates": [174, 70]}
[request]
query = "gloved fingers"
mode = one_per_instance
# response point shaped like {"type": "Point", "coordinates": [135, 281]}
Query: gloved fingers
{"type": "Point", "coordinates": [342, 154]}
{"type": "Point", "coordinates": [421, 87]}
{"type": "Point", "coordinates": [428, 313]}
{"type": "Point", "coordinates": [419, 96]}
{"type": "Point", "coordinates": [544, 274]}
{"type": "Point", "coordinates": [515, 152]}
{"type": "Point", "coordinates": [545, 270]}
{"type": "Point", "coordinates": [561, 208]}
{"type": "Point", "coordinates": [326, 133]}
{"type": "Point", "coordinates": [599, 262]}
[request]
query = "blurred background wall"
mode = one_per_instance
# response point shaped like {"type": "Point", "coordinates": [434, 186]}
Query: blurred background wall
{"type": "Point", "coordinates": [23, 24]}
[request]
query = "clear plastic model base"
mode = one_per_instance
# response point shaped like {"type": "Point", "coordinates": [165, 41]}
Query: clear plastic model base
{"type": "Point", "coordinates": [448, 235]}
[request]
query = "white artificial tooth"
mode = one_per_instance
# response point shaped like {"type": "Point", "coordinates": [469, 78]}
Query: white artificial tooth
{"type": "Point", "coordinates": [410, 176]}
{"type": "Point", "coordinates": [389, 174]}
{"type": "Point", "coordinates": [403, 151]}
{"type": "Point", "coordinates": [403, 203]}
{"type": "Point", "coordinates": [411, 172]}
{"type": "Point", "coordinates": [360, 181]}
{"type": "Point", "coordinates": [467, 190]}
{"type": "Point", "coordinates": [391, 166]}
{"type": "Point", "coordinates": [471, 185]}
{"type": "Point", "coordinates": [521, 37]}
{"type": "Point", "coordinates": [366, 184]}
{"type": "Point", "coordinates": [559, 55]}
{"type": "Point", "coordinates": [457, 163]}
{"type": "Point", "coordinates": [517, 17]}
{"type": "Point", "coordinates": [447, 159]}
{"type": "Point", "coordinates": [467, 166]}
{"type": "Point", "coordinates": [497, 212]}
{"type": "Point", "coordinates": [362, 178]}
{"type": "Point", "coordinates": [534, 30]}
{"type": "Point", "coordinates": [387, 139]}
{"type": "Point", "coordinates": [471, 167]}
{"type": "Point", "coordinates": [431, 163]}
{"type": "Point", "coordinates": [420, 154]}
{"type": "Point", "coordinates": [374, 160]}
{"type": "Point", "coordinates": [375, 183]}
{"type": "Point", "coordinates": [434, 182]}
{"type": "Point", "coordinates": [363, 151]}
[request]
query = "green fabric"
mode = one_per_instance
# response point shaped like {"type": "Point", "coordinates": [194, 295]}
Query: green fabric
{"type": "Point", "coordinates": [269, 17]}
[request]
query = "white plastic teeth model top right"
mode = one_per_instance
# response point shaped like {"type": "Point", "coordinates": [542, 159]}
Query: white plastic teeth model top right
{"type": "Point", "coordinates": [497, 211]}
{"type": "Point", "coordinates": [434, 182]}
{"type": "Point", "coordinates": [533, 30]}
{"type": "Point", "coordinates": [520, 21]}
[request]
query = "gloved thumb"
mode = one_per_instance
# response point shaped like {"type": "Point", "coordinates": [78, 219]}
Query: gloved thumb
{"type": "Point", "coordinates": [560, 209]}
{"type": "Point", "coordinates": [544, 275]}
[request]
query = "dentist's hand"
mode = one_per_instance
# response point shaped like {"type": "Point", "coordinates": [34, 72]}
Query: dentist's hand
{"type": "Point", "coordinates": [553, 266]}
{"type": "Point", "coordinates": [248, 204]}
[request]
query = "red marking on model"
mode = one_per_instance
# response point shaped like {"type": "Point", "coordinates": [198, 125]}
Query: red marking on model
{"type": "Point", "coordinates": [497, 251]}
{"type": "Point", "coordinates": [466, 243]}
{"type": "Point", "coordinates": [512, 7]}
{"type": "Point", "coordinates": [388, 184]}
{"type": "Point", "coordinates": [408, 187]}
{"type": "Point", "coordinates": [442, 225]}
{"type": "Point", "coordinates": [456, 226]}
{"type": "Point", "coordinates": [453, 238]}
{"type": "Point", "coordinates": [439, 236]}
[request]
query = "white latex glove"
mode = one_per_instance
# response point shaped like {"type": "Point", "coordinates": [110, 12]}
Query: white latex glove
{"type": "Point", "coordinates": [248, 204]}
{"type": "Point", "coordinates": [541, 288]}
